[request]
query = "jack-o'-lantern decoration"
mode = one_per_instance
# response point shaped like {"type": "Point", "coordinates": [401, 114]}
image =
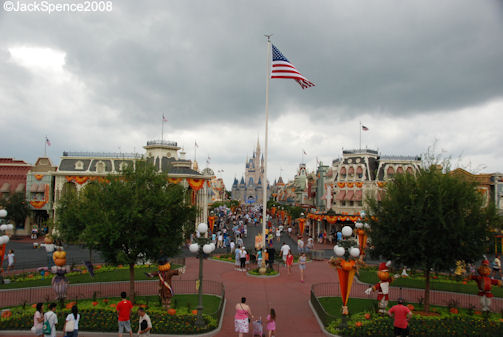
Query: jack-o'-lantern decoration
{"type": "Point", "coordinates": [382, 287]}
{"type": "Point", "coordinates": [59, 258]}
{"type": "Point", "coordinates": [165, 267]}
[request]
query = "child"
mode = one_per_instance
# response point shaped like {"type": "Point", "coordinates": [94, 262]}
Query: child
{"type": "Point", "coordinates": [11, 259]}
{"type": "Point", "coordinates": [289, 261]}
{"type": "Point", "coordinates": [271, 323]}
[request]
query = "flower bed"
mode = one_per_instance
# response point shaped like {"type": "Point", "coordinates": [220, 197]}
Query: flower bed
{"type": "Point", "coordinates": [269, 272]}
{"type": "Point", "coordinates": [101, 316]}
{"type": "Point", "coordinates": [421, 326]}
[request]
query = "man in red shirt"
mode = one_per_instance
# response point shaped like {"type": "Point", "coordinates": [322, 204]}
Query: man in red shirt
{"type": "Point", "coordinates": [124, 311]}
{"type": "Point", "coordinates": [402, 314]}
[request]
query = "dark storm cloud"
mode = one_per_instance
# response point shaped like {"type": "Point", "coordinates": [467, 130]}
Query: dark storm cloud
{"type": "Point", "coordinates": [204, 61]}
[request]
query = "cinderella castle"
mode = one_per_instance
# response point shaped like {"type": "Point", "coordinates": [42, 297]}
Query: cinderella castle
{"type": "Point", "coordinates": [249, 189]}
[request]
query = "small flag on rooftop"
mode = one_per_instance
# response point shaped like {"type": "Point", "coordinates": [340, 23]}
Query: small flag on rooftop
{"type": "Point", "coordinates": [164, 119]}
{"type": "Point", "coordinates": [282, 68]}
{"type": "Point", "coordinates": [364, 128]}
{"type": "Point", "coordinates": [47, 141]}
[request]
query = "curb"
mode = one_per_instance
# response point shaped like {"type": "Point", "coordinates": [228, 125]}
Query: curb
{"type": "Point", "coordinates": [322, 327]}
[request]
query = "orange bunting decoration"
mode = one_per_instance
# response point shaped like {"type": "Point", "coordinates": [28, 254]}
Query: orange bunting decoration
{"type": "Point", "coordinates": [362, 239]}
{"type": "Point", "coordinates": [331, 219]}
{"type": "Point", "coordinates": [359, 185]}
{"type": "Point", "coordinates": [381, 184]}
{"type": "Point", "coordinates": [39, 176]}
{"type": "Point", "coordinates": [350, 185]}
{"type": "Point", "coordinates": [341, 185]}
{"type": "Point", "coordinates": [78, 179]}
{"type": "Point", "coordinates": [38, 204]}
{"type": "Point", "coordinates": [195, 184]}
{"type": "Point", "coordinates": [273, 210]}
{"type": "Point", "coordinates": [174, 180]}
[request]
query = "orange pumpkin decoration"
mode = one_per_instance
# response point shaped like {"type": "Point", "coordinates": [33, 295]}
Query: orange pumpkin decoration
{"type": "Point", "coordinates": [165, 267]}
{"type": "Point", "coordinates": [383, 275]}
{"type": "Point", "coordinates": [347, 265]}
{"type": "Point", "coordinates": [171, 311]}
{"type": "Point", "coordinates": [194, 312]}
{"type": "Point", "coordinates": [113, 305]}
{"type": "Point", "coordinates": [367, 316]}
{"type": "Point", "coordinates": [411, 307]}
{"type": "Point", "coordinates": [59, 258]}
{"type": "Point", "coordinates": [358, 324]}
{"type": "Point", "coordinates": [34, 305]}
{"type": "Point", "coordinates": [95, 303]}
{"type": "Point", "coordinates": [6, 313]}
{"type": "Point", "coordinates": [454, 311]}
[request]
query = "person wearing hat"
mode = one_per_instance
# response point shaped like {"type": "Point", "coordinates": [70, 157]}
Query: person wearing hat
{"type": "Point", "coordinates": [382, 287]}
{"type": "Point", "coordinates": [485, 283]}
{"type": "Point", "coordinates": [401, 315]}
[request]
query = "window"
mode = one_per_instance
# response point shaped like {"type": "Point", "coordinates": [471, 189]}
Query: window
{"type": "Point", "coordinates": [351, 172]}
{"type": "Point", "coordinates": [343, 173]}
{"type": "Point", "coordinates": [100, 167]}
{"type": "Point", "coordinates": [390, 171]}
{"type": "Point", "coordinates": [359, 172]}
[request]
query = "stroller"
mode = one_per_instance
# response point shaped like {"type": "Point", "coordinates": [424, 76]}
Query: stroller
{"type": "Point", "coordinates": [258, 329]}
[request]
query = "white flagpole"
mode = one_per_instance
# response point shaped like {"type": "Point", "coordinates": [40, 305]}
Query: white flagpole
{"type": "Point", "coordinates": [162, 129]}
{"type": "Point", "coordinates": [264, 180]}
{"type": "Point", "coordinates": [45, 146]}
{"type": "Point", "coordinates": [360, 135]}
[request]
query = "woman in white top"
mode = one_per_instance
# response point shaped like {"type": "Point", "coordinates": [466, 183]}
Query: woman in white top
{"type": "Point", "coordinates": [72, 319]}
{"type": "Point", "coordinates": [38, 321]}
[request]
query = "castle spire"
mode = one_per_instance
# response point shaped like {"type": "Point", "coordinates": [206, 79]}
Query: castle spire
{"type": "Point", "coordinates": [258, 145]}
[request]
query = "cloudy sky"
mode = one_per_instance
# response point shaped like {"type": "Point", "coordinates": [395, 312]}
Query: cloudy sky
{"type": "Point", "coordinates": [413, 72]}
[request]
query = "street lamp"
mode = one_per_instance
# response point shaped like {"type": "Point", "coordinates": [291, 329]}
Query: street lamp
{"type": "Point", "coordinates": [3, 238]}
{"type": "Point", "coordinates": [203, 247]}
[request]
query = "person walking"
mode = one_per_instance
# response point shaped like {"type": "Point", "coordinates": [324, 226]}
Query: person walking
{"type": "Point", "coordinates": [242, 259]}
{"type": "Point", "coordinates": [302, 266]}
{"type": "Point", "coordinates": [285, 249]}
{"type": "Point", "coordinates": [289, 262]}
{"type": "Point", "coordinates": [71, 327]}
{"type": "Point", "coordinates": [11, 258]}
{"type": "Point", "coordinates": [271, 323]}
{"type": "Point", "coordinates": [237, 255]}
{"type": "Point", "coordinates": [124, 313]}
{"type": "Point", "coordinates": [300, 245]}
{"type": "Point", "coordinates": [242, 317]}
{"type": "Point", "coordinates": [38, 321]}
{"type": "Point", "coordinates": [144, 324]}
{"type": "Point", "coordinates": [51, 319]}
{"type": "Point", "coordinates": [401, 315]}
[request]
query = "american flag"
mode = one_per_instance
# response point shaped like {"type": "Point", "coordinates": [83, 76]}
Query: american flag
{"type": "Point", "coordinates": [164, 119]}
{"type": "Point", "coordinates": [364, 128]}
{"type": "Point", "coordinates": [282, 68]}
{"type": "Point", "coordinates": [47, 141]}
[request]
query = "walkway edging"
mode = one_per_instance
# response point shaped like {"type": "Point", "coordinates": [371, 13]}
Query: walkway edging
{"type": "Point", "coordinates": [322, 327]}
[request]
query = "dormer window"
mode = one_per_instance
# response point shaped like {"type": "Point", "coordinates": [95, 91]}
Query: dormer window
{"type": "Point", "coordinates": [351, 172]}
{"type": "Point", "coordinates": [390, 172]}
{"type": "Point", "coordinates": [343, 173]}
{"type": "Point", "coordinates": [122, 166]}
{"type": "Point", "coordinates": [100, 167]}
{"type": "Point", "coordinates": [79, 165]}
{"type": "Point", "coordinates": [359, 172]}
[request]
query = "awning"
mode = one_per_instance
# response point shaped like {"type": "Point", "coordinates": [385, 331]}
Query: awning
{"type": "Point", "coordinates": [349, 195]}
{"type": "Point", "coordinates": [340, 195]}
{"type": "Point", "coordinates": [5, 187]}
{"type": "Point", "coordinates": [34, 188]}
{"type": "Point", "coordinates": [41, 188]}
{"type": "Point", "coordinates": [358, 195]}
{"type": "Point", "coordinates": [20, 188]}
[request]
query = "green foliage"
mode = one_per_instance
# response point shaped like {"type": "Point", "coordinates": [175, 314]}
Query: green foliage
{"type": "Point", "coordinates": [430, 220]}
{"type": "Point", "coordinates": [134, 215]}
{"type": "Point", "coordinates": [17, 208]}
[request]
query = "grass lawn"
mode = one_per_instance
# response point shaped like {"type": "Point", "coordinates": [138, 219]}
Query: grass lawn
{"type": "Point", "coordinates": [184, 301]}
{"type": "Point", "coordinates": [370, 276]}
{"type": "Point", "coordinates": [333, 305]}
{"type": "Point", "coordinates": [99, 276]}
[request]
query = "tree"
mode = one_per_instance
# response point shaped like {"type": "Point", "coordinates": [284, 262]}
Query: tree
{"type": "Point", "coordinates": [430, 220]}
{"type": "Point", "coordinates": [17, 208]}
{"type": "Point", "coordinates": [130, 216]}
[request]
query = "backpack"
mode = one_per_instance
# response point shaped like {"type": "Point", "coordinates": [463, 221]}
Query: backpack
{"type": "Point", "coordinates": [47, 330]}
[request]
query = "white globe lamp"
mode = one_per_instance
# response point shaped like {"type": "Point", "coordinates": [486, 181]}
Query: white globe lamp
{"type": "Point", "coordinates": [202, 228]}
{"type": "Point", "coordinates": [354, 252]}
{"type": "Point", "coordinates": [3, 213]}
{"type": "Point", "coordinates": [4, 239]}
{"type": "Point", "coordinates": [194, 248]}
{"type": "Point", "coordinates": [339, 251]}
{"type": "Point", "coordinates": [212, 246]}
{"type": "Point", "coordinates": [207, 249]}
{"type": "Point", "coordinates": [347, 231]}
{"type": "Point", "coordinates": [358, 225]}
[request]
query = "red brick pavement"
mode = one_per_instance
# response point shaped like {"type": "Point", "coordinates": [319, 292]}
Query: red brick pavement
{"type": "Point", "coordinates": [288, 296]}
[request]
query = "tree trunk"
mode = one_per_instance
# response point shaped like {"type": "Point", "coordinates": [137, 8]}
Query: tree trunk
{"type": "Point", "coordinates": [131, 283]}
{"type": "Point", "coordinates": [427, 289]}
{"type": "Point", "coordinates": [91, 255]}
